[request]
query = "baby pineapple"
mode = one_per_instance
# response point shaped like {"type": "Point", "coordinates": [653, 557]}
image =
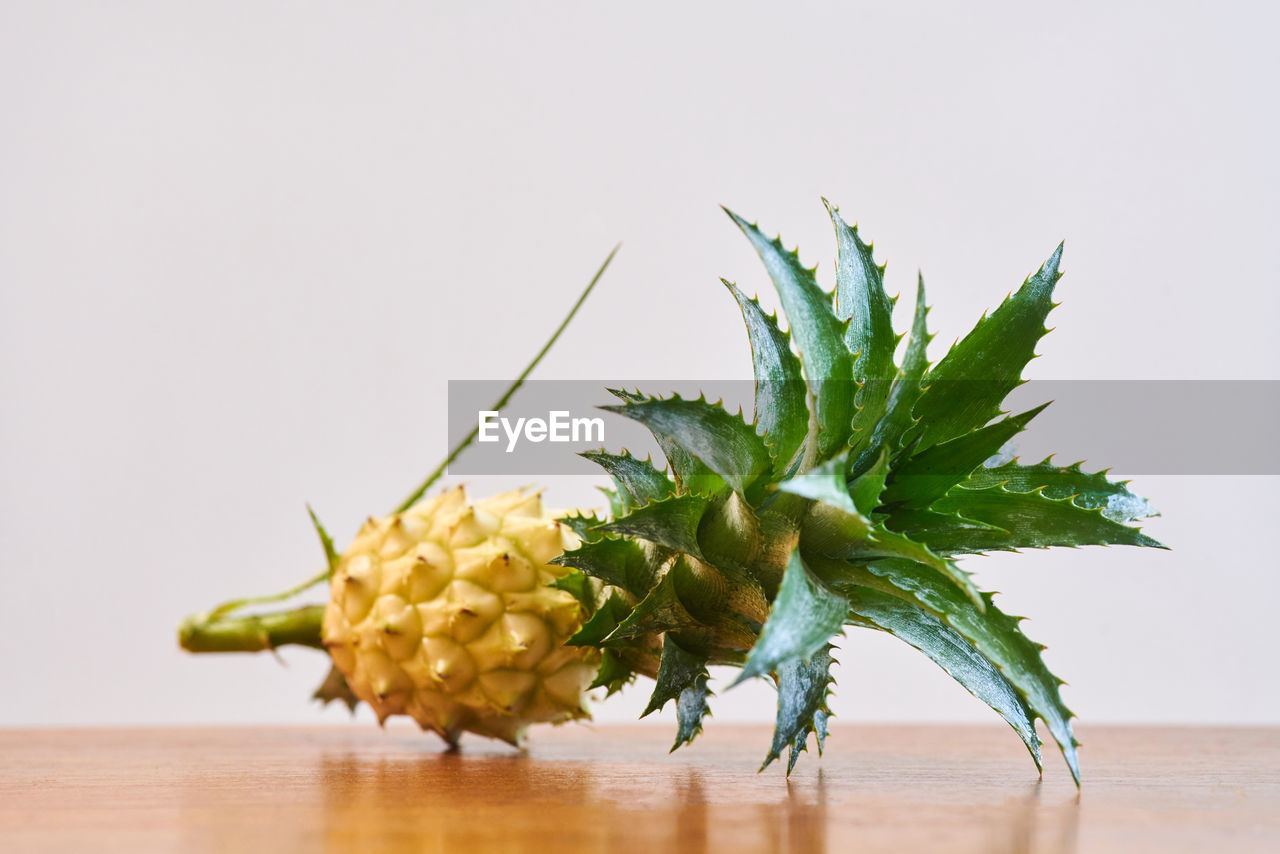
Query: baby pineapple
{"type": "Point", "coordinates": [445, 613]}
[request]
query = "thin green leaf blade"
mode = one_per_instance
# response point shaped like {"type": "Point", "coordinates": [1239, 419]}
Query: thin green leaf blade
{"type": "Point", "coordinates": [326, 541]}
{"type": "Point", "coordinates": [511, 389]}
{"type": "Point", "coordinates": [948, 534]}
{"type": "Point", "coordinates": [879, 542]}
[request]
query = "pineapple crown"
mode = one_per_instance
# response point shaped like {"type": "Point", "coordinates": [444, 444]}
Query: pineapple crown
{"type": "Point", "coordinates": [846, 502]}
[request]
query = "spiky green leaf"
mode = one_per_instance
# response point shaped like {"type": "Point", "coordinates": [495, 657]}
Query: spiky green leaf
{"type": "Point", "coordinates": [880, 542]}
{"type": "Point", "coordinates": [335, 687]}
{"type": "Point", "coordinates": [621, 563]}
{"type": "Point", "coordinates": [578, 585]}
{"type": "Point", "coordinates": [1029, 520]}
{"type": "Point", "coordinates": [924, 477]}
{"type": "Point", "coordinates": [862, 302]}
{"type": "Point", "coordinates": [824, 482]}
{"type": "Point", "coordinates": [691, 708]}
{"type": "Point", "coordinates": [583, 524]}
{"type": "Point", "coordinates": [837, 528]}
{"type": "Point", "coordinates": [610, 613]}
{"type": "Point", "coordinates": [818, 334]}
{"type": "Point", "coordinates": [689, 472]}
{"type": "Point", "coordinates": [1092, 491]}
{"type": "Point", "coordinates": [867, 488]}
{"type": "Point", "coordinates": [672, 522]}
{"type": "Point", "coordinates": [805, 616]}
{"type": "Point", "coordinates": [994, 634]}
{"type": "Point", "coordinates": [781, 408]}
{"type": "Point", "coordinates": [664, 609]}
{"type": "Point", "coordinates": [641, 480]}
{"type": "Point", "coordinates": [721, 440]}
{"type": "Point", "coordinates": [966, 388]}
{"type": "Point", "coordinates": [885, 543]}
{"type": "Point", "coordinates": [614, 674]}
{"type": "Point", "coordinates": [678, 671]}
{"type": "Point", "coordinates": [803, 687]}
{"type": "Point", "coordinates": [950, 651]}
{"type": "Point", "coordinates": [905, 391]}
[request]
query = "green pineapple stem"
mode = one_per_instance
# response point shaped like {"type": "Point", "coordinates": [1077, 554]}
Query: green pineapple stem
{"type": "Point", "coordinates": [236, 604]}
{"type": "Point", "coordinates": [254, 633]}
{"type": "Point", "coordinates": [511, 390]}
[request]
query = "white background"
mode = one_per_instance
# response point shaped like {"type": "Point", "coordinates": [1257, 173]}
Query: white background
{"type": "Point", "coordinates": [243, 246]}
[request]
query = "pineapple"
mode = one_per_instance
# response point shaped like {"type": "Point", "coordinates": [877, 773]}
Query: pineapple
{"type": "Point", "coordinates": [446, 613]}
{"type": "Point", "coordinates": [846, 502]}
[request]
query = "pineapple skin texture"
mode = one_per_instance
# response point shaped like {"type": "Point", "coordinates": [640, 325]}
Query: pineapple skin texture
{"type": "Point", "coordinates": [444, 613]}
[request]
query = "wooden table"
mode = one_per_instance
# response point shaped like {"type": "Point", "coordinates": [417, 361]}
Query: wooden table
{"type": "Point", "coordinates": [615, 789]}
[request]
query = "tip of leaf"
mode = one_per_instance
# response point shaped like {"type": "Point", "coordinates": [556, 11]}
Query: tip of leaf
{"type": "Point", "coordinates": [1051, 266]}
{"type": "Point", "coordinates": [1151, 543]}
{"type": "Point", "coordinates": [741, 223]}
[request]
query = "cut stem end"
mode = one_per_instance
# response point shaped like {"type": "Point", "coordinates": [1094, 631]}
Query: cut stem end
{"type": "Point", "coordinates": [253, 633]}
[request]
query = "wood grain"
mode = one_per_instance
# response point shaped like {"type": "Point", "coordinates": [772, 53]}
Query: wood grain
{"type": "Point", "coordinates": [615, 789]}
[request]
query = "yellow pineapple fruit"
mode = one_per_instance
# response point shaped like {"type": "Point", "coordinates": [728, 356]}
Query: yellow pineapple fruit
{"type": "Point", "coordinates": [443, 612]}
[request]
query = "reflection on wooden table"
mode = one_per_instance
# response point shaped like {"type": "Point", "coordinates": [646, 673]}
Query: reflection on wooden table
{"type": "Point", "coordinates": [616, 789]}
